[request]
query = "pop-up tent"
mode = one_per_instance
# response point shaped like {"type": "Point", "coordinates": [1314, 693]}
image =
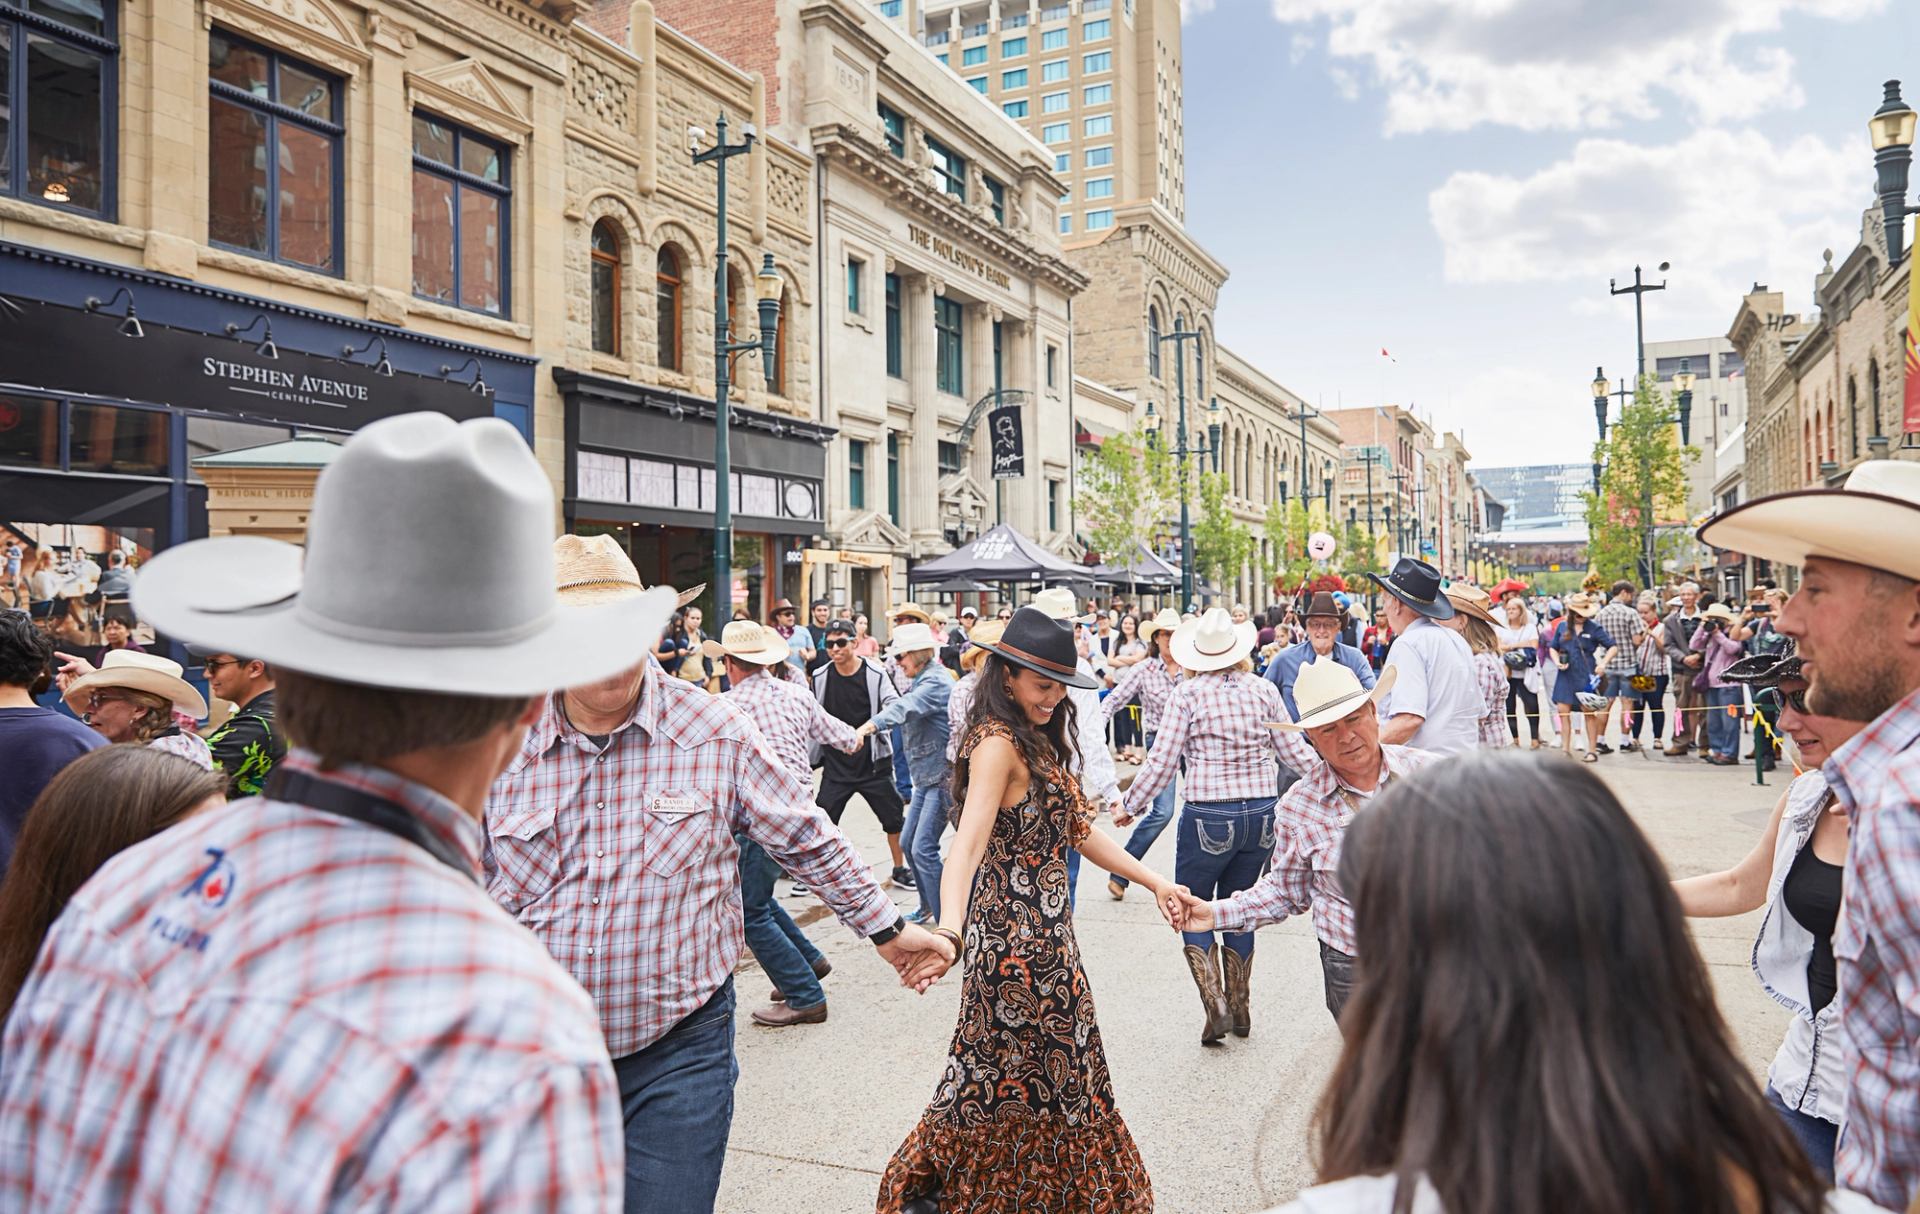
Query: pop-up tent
{"type": "Point", "coordinates": [1001, 555]}
{"type": "Point", "coordinates": [1137, 569]}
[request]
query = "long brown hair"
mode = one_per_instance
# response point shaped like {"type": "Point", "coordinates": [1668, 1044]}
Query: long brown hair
{"type": "Point", "coordinates": [98, 806]}
{"type": "Point", "coordinates": [1532, 1029]}
{"type": "Point", "coordinates": [1056, 742]}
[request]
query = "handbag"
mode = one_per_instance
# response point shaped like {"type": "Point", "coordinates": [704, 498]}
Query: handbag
{"type": "Point", "coordinates": [1518, 660]}
{"type": "Point", "coordinates": [1643, 682]}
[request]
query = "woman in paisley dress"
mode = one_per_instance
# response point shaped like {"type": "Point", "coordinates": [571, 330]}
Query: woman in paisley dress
{"type": "Point", "coordinates": [1023, 1120]}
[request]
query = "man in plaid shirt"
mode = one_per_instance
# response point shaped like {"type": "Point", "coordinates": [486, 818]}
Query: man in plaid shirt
{"type": "Point", "coordinates": [1621, 621]}
{"type": "Point", "coordinates": [611, 836]}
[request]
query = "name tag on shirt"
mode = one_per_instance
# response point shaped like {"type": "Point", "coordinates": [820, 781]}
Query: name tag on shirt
{"type": "Point", "coordinates": [675, 806]}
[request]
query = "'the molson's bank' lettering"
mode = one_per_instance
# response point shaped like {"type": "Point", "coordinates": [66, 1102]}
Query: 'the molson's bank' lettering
{"type": "Point", "coordinates": [288, 380]}
{"type": "Point", "coordinates": [959, 257]}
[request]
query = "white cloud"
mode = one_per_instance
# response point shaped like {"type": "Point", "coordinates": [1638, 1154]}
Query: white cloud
{"type": "Point", "coordinates": [1195, 8]}
{"type": "Point", "coordinates": [1450, 65]}
{"type": "Point", "coordinates": [1299, 47]}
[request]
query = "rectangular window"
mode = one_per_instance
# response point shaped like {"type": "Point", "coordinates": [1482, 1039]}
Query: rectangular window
{"type": "Point", "coordinates": [949, 457]}
{"type": "Point", "coordinates": [973, 56]}
{"type": "Point", "coordinates": [1100, 187]}
{"type": "Point", "coordinates": [1093, 31]}
{"type": "Point", "coordinates": [460, 213]}
{"type": "Point", "coordinates": [58, 79]}
{"type": "Point", "coordinates": [999, 358]}
{"type": "Point", "coordinates": [949, 350]}
{"type": "Point", "coordinates": [1053, 103]}
{"type": "Point", "coordinates": [273, 165]}
{"type": "Point", "coordinates": [1099, 124]}
{"type": "Point", "coordinates": [1100, 157]}
{"type": "Point", "coordinates": [1056, 132]}
{"type": "Point", "coordinates": [1096, 220]}
{"type": "Point", "coordinates": [1013, 48]}
{"type": "Point", "coordinates": [856, 271]}
{"type": "Point", "coordinates": [1053, 359]}
{"type": "Point", "coordinates": [856, 474]}
{"type": "Point", "coordinates": [1053, 40]}
{"type": "Point", "coordinates": [890, 9]}
{"type": "Point", "coordinates": [1053, 505]}
{"type": "Point", "coordinates": [978, 84]}
{"type": "Point", "coordinates": [1066, 225]}
{"type": "Point", "coordinates": [1101, 61]}
{"type": "Point", "coordinates": [1015, 79]}
{"type": "Point", "coordinates": [952, 169]}
{"type": "Point", "coordinates": [942, 57]}
{"type": "Point", "coordinates": [895, 125]}
{"type": "Point", "coordinates": [997, 200]}
{"type": "Point", "coordinates": [1053, 71]}
{"type": "Point", "coordinates": [893, 325]}
{"type": "Point", "coordinates": [1097, 94]}
{"type": "Point", "coordinates": [1014, 109]}
{"type": "Point", "coordinates": [893, 477]}
{"type": "Point", "coordinates": [1062, 161]}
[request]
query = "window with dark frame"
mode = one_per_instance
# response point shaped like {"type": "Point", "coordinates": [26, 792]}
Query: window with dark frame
{"type": "Point", "coordinates": [606, 288]}
{"type": "Point", "coordinates": [1053, 357]}
{"type": "Point", "coordinates": [666, 306]}
{"type": "Point", "coordinates": [855, 271]}
{"type": "Point", "coordinates": [949, 350]}
{"type": "Point", "coordinates": [895, 124]}
{"type": "Point", "coordinates": [1053, 505]}
{"type": "Point", "coordinates": [997, 198]}
{"type": "Point", "coordinates": [950, 166]}
{"type": "Point", "coordinates": [949, 456]}
{"type": "Point", "coordinates": [856, 474]}
{"type": "Point", "coordinates": [1153, 341]}
{"type": "Point", "coordinates": [59, 73]}
{"type": "Point", "coordinates": [893, 477]}
{"type": "Point", "coordinates": [274, 156]}
{"type": "Point", "coordinates": [894, 360]}
{"type": "Point", "coordinates": [462, 204]}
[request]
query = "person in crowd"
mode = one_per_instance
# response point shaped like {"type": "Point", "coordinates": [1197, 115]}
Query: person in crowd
{"type": "Point", "coordinates": [80, 589]}
{"type": "Point", "coordinates": [43, 585]}
{"type": "Point", "coordinates": [35, 742]}
{"type": "Point", "coordinates": [799, 640]}
{"type": "Point", "coordinates": [1689, 701]}
{"type": "Point", "coordinates": [1340, 722]}
{"type": "Point", "coordinates": [1216, 721]}
{"type": "Point", "coordinates": [659, 777]}
{"type": "Point", "coordinates": [1795, 871]}
{"type": "Point", "coordinates": [1323, 631]}
{"type": "Point", "coordinates": [1130, 651]}
{"type": "Point", "coordinates": [1575, 649]}
{"type": "Point", "coordinates": [98, 806]}
{"type": "Point", "coordinates": [865, 644]}
{"type": "Point", "coordinates": [818, 613]}
{"type": "Point", "coordinates": [855, 691]}
{"type": "Point", "coordinates": [766, 688]}
{"type": "Point", "coordinates": [1437, 701]}
{"type": "Point", "coordinates": [1473, 619]}
{"type": "Point", "coordinates": [1559, 926]}
{"type": "Point", "coordinates": [954, 644]}
{"type": "Point", "coordinates": [1649, 685]}
{"type": "Point", "coordinates": [904, 614]}
{"type": "Point", "coordinates": [139, 698]}
{"type": "Point", "coordinates": [921, 715]}
{"type": "Point", "coordinates": [1005, 615]}
{"type": "Point", "coordinates": [115, 633]}
{"type": "Point", "coordinates": [1092, 762]}
{"type": "Point", "coordinates": [1518, 632]}
{"type": "Point", "coordinates": [1148, 685]}
{"type": "Point", "coordinates": [960, 698]}
{"type": "Point", "coordinates": [679, 652]}
{"type": "Point", "coordinates": [247, 745]}
{"type": "Point", "coordinates": [1620, 665]}
{"type": "Point", "coordinates": [1718, 643]}
{"type": "Point", "coordinates": [14, 554]}
{"type": "Point", "coordinates": [1024, 1117]}
{"type": "Point", "coordinates": [1105, 640]}
{"type": "Point", "coordinates": [117, 581]}
{"type": "Point", "coordinates": [1763, 638]}
{"type": "Point", "coordinates": [1860, 578]}
{"type": "Point", "coordinates": [308, 998]}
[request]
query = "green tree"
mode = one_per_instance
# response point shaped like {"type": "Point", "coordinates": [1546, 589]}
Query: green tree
{"type": "Point", "coordinates": [1359, 555]}
{"type": "Point", "coordinates": [1125, 492]}
{"type": "Point", "coordinates": [1222, 544]}
{"type": "Point", "coordinates": [1643, 481]}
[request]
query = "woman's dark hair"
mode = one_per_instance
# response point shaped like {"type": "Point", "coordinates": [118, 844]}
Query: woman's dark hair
{"type": "Point", "coordinates": [26, 653]}
{"type": "Point", "coordinates": [1130, 618]}
{"type": "Point", "coordinates": [1531, 1028]}
{"type": "Point", "coordinates": [992, 701]}
{"type": "Point", "coordinates": [98, 806]}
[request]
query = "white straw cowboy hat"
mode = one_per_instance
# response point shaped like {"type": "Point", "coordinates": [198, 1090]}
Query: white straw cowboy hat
{"type": "Point", "coordinates": [1213, 641]}
{"type": "Point", "coordinates": [1166, 621]}
{"type": "Point", "coordinates": [595, 569]}
{"type": "Point", "coordinates": [1471, 600]}
{"type": "Point", "coordinates": [428, 567]}
{"type": "Point", "coordinates": [909, 638]}
{"type": "Point", "coordinates": [1327, 691]}
{"type": "Point", "coordinates": [748, 641]}
{"type": "Point", "coordinates": [136, 671]}
{"type": "Point", "coordinates": [1870, 522]}
{"type": "Point", "coordinates": [1058, 603]}
{"type": "Point", "coordinates": [1721, 612]}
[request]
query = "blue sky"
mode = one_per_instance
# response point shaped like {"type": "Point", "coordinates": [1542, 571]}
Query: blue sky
{"type": "Point", "coordinates": [1456, 180]}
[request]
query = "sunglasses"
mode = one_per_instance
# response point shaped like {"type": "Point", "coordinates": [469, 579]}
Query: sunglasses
{"type": "Point", "coordinates": [838, 643]}
{"type": "Point", "coordinates": [217, 663]}
{"type": "Point", "coordinates": [1773, 699]}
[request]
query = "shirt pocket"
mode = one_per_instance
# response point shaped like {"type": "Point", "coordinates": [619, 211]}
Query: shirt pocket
{"type": "Point", "coordinates": [677, 828]}
{"type": "Point", "coordinates": [526, 856]}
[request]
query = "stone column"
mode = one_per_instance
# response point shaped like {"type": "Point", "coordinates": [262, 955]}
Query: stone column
{"type": "Point", "coordinates": [977, 338]}
{"type": "Point", "coordinates": [922, 496]}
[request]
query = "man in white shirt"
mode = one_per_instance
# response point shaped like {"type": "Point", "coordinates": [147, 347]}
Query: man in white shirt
{"type": "Point", "coordinates": [1436, 703]}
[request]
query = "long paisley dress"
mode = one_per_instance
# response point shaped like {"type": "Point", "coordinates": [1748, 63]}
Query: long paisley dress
{"type": "Point", "coordinates": [1023, 1120]}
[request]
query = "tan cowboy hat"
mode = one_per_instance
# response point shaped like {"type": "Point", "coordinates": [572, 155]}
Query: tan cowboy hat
{"type": "Point", "coordinates": [748, 641]}
{"type": "Point", "coordinates": [1473, 601]}
{"type": "Point", "coordinates": [1058, 603]}
{"type": "Point", "coordinates": [914, 610]}
{"type": "Point", "coordinates": [1870, 522]}
{"type": "Point", "coordinates": [1721, 612]}
{"type": "Point", "coordinates": [592, 569]}
{"type": "Point", "coordinates": [1326, 691]}
{"type": "Point", "coordinates": [1213, 642]}
{"type": "Point", "coordinates": [1166, 621]}
{"type": "Point", "coordinates": [986, 632]}
{"type": "Point", "coordinates": [137, 671]}
{"type": "Point", "coordinates": [1581, 605]}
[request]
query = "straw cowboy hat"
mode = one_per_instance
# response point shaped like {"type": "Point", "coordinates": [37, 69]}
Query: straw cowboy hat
{"type": "Point", "coordinates": [136, 671]}
{"type": "Point", "coordinates": [746, 641]}
{"type": "Point", "coordinates": [1166, 621]}
{"type": "Point", "coordinates": [985, 633]}
{"type": "Point", "coordinates": [912, 611]}
{"type": "Point", "coordinates": [1058, 603]}
{"type": "Point", "coordinates": [1326, 691]}
{"type": "Point", "coordinates": [1870, 522]}
{"type": "Point", "coordinates": [1417, 584]}
{"type": "Point", "coordinates": [1582, 605]}
{"type": "Point", "coordinates": [1471, 600]}
{"type": "Point", "coordinates": [1721, 612]}
{"type": "Point", "coordinates": [596, 569]}
{"type": "Point", "coordinates": [394, 588]}
{"type": "Point", "coordinates": [911, 638]}
{"type": "Point", "coordinates": [1039, 642]}
{"type": "Point", "coordinates": [1213, 642]}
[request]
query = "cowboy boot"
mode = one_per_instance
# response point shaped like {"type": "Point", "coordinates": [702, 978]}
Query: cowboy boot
{"type": "Point", "coordinates": [1206, 975]}
{"type": "Point", "coordinates": [1238, 970]}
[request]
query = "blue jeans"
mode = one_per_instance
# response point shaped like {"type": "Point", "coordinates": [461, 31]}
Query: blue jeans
{"type": "Point", "coordinates": [778, 944]}
{"type": "Point", "coordinates": [1148, 828]}
{"type": "Point", "coordinates": [1816, 1137]}
{"type": "Point", "coordinates": [1222, 847]}
{"type": "Point", "coordinates": [902, 778]}
{"type": "Point", "coordinates": [1723, 729]}
{"type": "Point", "coordinates": [676, 1096]}
{"type": "Point", "coordinates": [926, 822]}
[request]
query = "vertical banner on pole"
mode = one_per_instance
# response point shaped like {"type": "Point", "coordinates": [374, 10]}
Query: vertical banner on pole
{"type": "Point", "coordinates": [1009, 444]}
{"type": "Point", "coordinates": [1911, 408]}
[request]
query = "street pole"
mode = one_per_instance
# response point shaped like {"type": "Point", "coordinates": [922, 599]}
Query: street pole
{"type": "Point", "coordinates": [1181, 452]}
{"type": "Point", "coordinates": [1306, 411]}
{"type": "Point", "coordinates": [1638, 290]}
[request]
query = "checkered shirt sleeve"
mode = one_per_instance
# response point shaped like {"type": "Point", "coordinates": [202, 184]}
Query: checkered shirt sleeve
{"type": "Point", "coordinates": [792, 720]}
{"type": "Point", "coordinates": [959, 703]}
{"type": "Point", "coordinates": [1148, 683]}
{"type": "Point", "coordinates": [1624, 628]}
{"type": "Point", "coordinates": [1218, 723]}
{"type": "Point", "coordinates": [273, 1008]}
{"type": "Point", "coordinates": [1492, 673]}
{"type": "Point", "coordinates": [1876, 946]}
{"type": "Point", "coordinates": [623, 861]}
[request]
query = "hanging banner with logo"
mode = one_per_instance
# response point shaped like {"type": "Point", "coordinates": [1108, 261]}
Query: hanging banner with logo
{"type": "Point", "coordinates": [1009, 443]}
{"type": "Point", "coordinates": [1911, 408]}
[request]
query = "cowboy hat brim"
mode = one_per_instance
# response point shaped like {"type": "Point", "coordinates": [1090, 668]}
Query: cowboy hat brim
{"type": "Point", "coordinates": [1870, 529]}
{"type": "Point", "coordinates": [1345, 706]}
{"type": "Point", "coordinates": [769, 656]}
{"type": "Point", "coordinates": [241, 594]}
{"type": "Point", "coordinates": [1085, 682]}
{"type": "Point", "coordinates": [1188, 654]}
{"type": "Point", "coordinates": [1440, 609]}
{"type": "Point", "coordinates": [914, 613]}
{"type": "Point", "coordinates": [595, 594]}
{"type": "Point", "coordinates": [1765, 669]}
{"type": "Point", "coordinates": [176, 691]}
{"type": "Point", "coordinates": [1468, 607]}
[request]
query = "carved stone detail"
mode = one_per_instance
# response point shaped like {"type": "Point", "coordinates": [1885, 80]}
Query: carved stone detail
{"type": "Point", "coordinates": [468, 93]}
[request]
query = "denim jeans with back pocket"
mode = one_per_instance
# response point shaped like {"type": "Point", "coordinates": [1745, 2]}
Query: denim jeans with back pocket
{"type": "Point", "coordinates": [1221, 849]}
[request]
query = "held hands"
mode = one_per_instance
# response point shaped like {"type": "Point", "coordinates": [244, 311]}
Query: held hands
{"type": "Point", "coordinates": [919, 957]}
{"type": "Point", "coordinates": [1182, 910]}
{"type": "Point", "coordinates": [864, 730]}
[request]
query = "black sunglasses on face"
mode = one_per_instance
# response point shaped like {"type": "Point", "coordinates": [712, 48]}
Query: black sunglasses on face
{"type": "Point", "coordinates": [837, 642]}
{"type": "Point", "coordinates": [1773, 698]}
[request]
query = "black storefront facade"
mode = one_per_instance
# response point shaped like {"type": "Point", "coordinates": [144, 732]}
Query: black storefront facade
{"type": "Point", "coordinates": [103, 409]}
{"type": "Point", "coordinates": [639, 466]}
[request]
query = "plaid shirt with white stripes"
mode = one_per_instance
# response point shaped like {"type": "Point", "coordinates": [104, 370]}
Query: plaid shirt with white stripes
{"type": "Point", "coordinates": [792, 719]}
{"type": "Point", "coordinates": [1218, 724]}
{"type": "Point", "coordinates": [1623, 625]}
{"type": "Point", "coordinates": [1149, 682]}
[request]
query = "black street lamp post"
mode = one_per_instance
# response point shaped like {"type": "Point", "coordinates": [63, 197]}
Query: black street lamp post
{"type": "Point", "coordinates": [1306, 413]}
{"type": "Point", "coordinates": [1213, 431]}
{"type": "Point", "coordinates": [1181, 452]}
{"type": "Point", "coordinates": [1638, 290]}
{"type": "Point", "coordinates": [1892, 131]}
{"type": "Point", "coordinates": [1683, 382]}
{"type": "Point", "coordinates": [1599, 419]}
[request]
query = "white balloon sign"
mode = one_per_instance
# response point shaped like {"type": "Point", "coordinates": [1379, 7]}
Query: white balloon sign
{"type": "Point", "coordinates": [1320, 545]}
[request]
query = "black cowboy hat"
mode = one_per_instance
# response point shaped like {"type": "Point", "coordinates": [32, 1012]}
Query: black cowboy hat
{"type": "Point", "coordinates": [1766, 669]}
{"type": "Point", "coordinates": [1043, 644]}
{"type": "Point", "coordinates": [1417, 584]}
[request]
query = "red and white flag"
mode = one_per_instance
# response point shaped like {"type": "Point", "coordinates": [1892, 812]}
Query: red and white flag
{"type": "Point", "coordinates": [1390, 358]}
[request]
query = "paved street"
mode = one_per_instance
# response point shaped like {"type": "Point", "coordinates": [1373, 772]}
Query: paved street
{"type": "Point", "coordinates": [1223, 1130]}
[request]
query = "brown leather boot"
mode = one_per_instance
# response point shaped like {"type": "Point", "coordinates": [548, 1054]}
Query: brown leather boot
{"type": "Point", "coordinates": [1202, 964]}
{"type": "Point", "coordinates": [779, 1015]}
{"type": "Point", "coordinates": [1238, 970]}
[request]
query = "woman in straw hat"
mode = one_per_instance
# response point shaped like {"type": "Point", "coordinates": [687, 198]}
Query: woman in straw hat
{"type": "Point", "coordinates": [136, 697]}
{"type": "Point", "coordinates": [1574, 650]}
{"type": "Point", "coordinates": [1474, 620]}
{"type": "Point", "coordinates": [1718, 641]}
{"type": "Point", "coordinates": [1151, 684]}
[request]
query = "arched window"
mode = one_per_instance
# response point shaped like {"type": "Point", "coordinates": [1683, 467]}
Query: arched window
{"type": "Point", "coordinates": [1153, 341]}
{"type": "Point", "coordinates": [666, 302]}
{"type": "Point", "coordinates": [606, 287]}
{"type": "Point", "coordinates": [1853, 419]}
{"type": "Point", "coordinates": [1180, 353]}
{"type": "Point", "coordinates": [1873, 394]}
{"type": "Point", "coordinates": [1200, 369]}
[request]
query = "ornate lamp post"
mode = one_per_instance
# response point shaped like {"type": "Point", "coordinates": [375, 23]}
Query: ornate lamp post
{"type": "Point", "coordinates": [1599, 387]}
{"type": "Point", "coordinates": [1638, 290]}
{"type": "Point", "coordinates": [1892, 130]}
{"type": "Point", "coordinates": [1213, 430]}
{"type": "Point", "coordinates": [1181, 452]}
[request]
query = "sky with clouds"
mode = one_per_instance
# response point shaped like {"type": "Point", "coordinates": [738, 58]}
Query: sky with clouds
{"type": "Point", "coordinates": [1457, 180]}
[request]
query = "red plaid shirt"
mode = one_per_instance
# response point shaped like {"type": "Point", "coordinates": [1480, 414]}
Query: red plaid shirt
{"type": "Point", "coordinates": [1492, 673]}
{"type": "Point", "coordinates": [269, 1007]}
{"type": "Point", "coordinates": [623, 861]}
{"type": "Point", "coordinates": [792, 719]}
{"type": "Point", "coordinates": [959, 703]}
{"type": "Point", "coordinates": [1877, 948]}
{"type": "Point", "coordinates": [1149, 682]}
{"type": "Point", "coordinates": [1218, 723]}
{"type": "Point", "coordinates": [1309, 826]}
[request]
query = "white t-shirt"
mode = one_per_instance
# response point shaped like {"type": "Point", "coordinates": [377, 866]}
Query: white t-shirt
{"type": "Point", "coordinates": [1437, 682]}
